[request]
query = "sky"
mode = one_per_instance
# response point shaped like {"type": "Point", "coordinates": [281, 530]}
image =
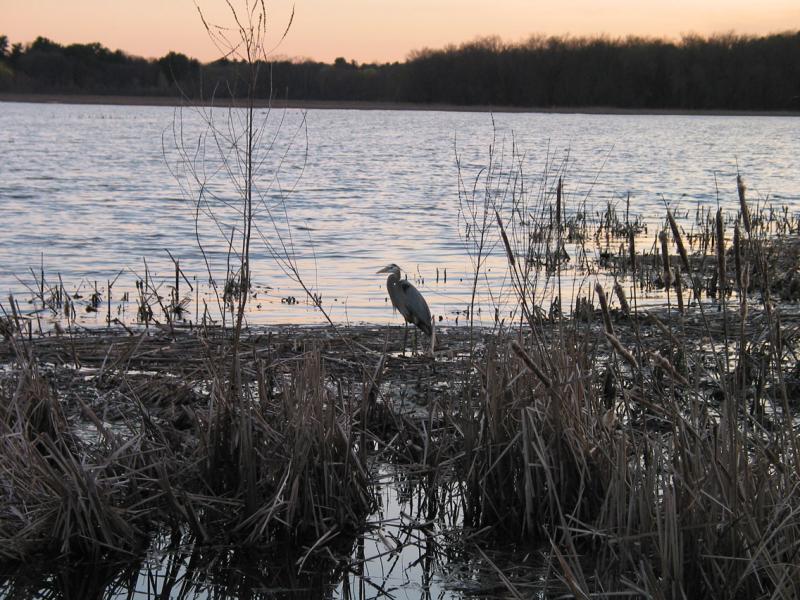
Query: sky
{"type": "Point", "coordinates": [381, 30]}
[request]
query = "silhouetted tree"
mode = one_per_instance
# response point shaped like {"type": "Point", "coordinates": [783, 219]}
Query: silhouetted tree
{"type": "Point", "coordinates": [178, 67]}
{"type": "Point", "coordinates": [16, 51]}
{"type": "Point", "coordinates": [720, 72]}
{"type": "Point", "coordinates": [6, 74]}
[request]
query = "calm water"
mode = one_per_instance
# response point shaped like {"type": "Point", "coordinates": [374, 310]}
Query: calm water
{"type": "Point", "coordinates": [89, 192]}
{"type": "Point", "coordinates": [401, 554]}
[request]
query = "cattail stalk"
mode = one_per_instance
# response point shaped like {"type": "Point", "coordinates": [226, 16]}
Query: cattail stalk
{"type": "Point", "coordinates": [532, 366]}
{"type": "Point", "coordinates": [601, 295]}
{"type": "Point", "coordinates": [506, 243]}
{"type": "Point", "coordinates": [676, 233]}
{"type": "Point", "coordinates": [665, 330]}
{"type": "Point", "coordinates": [721, 268]}
{"type": "Point", "coordinates": [662, 236]}
{"type": "Point", "coordinates": [743, 294]}
{"type": "Point", "coordinates": [666, 366]}
{"type": "Point", "coordinates": [741, 188]}
{"type": "Point", "coordinates": [632, 250]}
{"type": "Point", "coordinates": [737, 255]}
{"type": "Point", "coordinates": [623, 300]}
{"type": "Point", "coordinates": [679, 290]}
{"type": "Point", "coordinates": [622, 351]}
{"type": "Point", "coordinates": [558, 204]}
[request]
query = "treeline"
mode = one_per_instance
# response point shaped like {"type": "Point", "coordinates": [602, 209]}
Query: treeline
{"type": "Point", "coordinates": [720, 72]}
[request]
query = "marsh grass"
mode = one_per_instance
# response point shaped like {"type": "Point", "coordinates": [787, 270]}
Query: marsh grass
{"type": "Point", "coordinates": [656, 454]}
{"type": "Point", "coordinates": [279, 465]}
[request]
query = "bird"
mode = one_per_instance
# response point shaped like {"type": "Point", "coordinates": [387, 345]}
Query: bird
{"type": "Point", "coordinates": [408, 301]}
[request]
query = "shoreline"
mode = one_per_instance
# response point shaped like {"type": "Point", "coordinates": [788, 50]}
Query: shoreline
{"type": "Point", "coordinates": [364, 105]}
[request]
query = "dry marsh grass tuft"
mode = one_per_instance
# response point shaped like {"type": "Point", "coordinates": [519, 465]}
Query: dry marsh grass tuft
{"type": "Point", "coordinates": [277, 462]}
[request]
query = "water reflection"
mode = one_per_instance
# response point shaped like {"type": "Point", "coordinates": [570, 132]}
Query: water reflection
{"type": "Point", "coordinates": [405, 550]}
{"type": "Point", "coordinates": [175, 569]}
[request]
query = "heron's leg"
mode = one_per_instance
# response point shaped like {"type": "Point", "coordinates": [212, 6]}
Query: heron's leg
{"type": "Point", "coordinates": [405, 337]}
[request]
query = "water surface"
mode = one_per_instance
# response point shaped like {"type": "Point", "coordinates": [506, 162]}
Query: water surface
{"type": "Point", "coordinates": [88, 192]}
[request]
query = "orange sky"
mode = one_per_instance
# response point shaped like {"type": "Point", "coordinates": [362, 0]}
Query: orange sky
{"type": "Point", "coordinates": [380, 30]}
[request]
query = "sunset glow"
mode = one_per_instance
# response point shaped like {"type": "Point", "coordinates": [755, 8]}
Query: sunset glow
{"type": "Point", "coordinates": [374, 31]}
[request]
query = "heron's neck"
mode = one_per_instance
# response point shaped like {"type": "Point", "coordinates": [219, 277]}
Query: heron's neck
{"type": "Point", "coordinates": [393, 278]}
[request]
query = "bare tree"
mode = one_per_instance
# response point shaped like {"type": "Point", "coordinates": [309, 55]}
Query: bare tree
{"type": "Point", "coordinates": [224, 170]}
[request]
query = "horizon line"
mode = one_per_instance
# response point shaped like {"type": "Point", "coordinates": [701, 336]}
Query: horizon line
{"type": "Point", "coordinates": [476, 40]}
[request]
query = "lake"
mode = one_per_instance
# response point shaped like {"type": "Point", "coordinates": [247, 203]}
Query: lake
{"type": "Point", "coordinates": [89, 192]}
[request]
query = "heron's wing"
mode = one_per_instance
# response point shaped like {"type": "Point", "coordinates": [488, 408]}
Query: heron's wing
{"type": "Point", "coordinates": [418, 311]}
{"type": "Point", "coordinates": [398, 297]}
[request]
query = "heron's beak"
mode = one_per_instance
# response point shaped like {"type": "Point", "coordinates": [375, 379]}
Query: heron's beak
{"type": "Point", "coordinates": [386, 269]}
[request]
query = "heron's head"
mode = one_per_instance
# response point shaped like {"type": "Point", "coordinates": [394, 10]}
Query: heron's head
{"type": "Point", "coordinates": [391, 268]}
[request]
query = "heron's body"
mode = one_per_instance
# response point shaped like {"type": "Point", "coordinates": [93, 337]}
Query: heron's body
{"type": "Point", "coordinates": [407, 299]}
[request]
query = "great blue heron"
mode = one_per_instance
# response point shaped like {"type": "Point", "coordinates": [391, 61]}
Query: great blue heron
{"type": "Point", "coordinates": [407, 299]}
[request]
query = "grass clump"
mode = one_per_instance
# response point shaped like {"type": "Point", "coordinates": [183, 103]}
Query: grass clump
{"type": "Point", "coordinates": [278, 462]}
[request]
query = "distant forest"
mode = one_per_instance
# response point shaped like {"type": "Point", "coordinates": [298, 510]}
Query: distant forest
{"type": "Point", "coordinates": [728, 72]}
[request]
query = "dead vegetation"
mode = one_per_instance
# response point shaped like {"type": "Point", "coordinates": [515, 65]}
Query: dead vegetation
{"type": "Point", "coordinates": [98, 458]}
